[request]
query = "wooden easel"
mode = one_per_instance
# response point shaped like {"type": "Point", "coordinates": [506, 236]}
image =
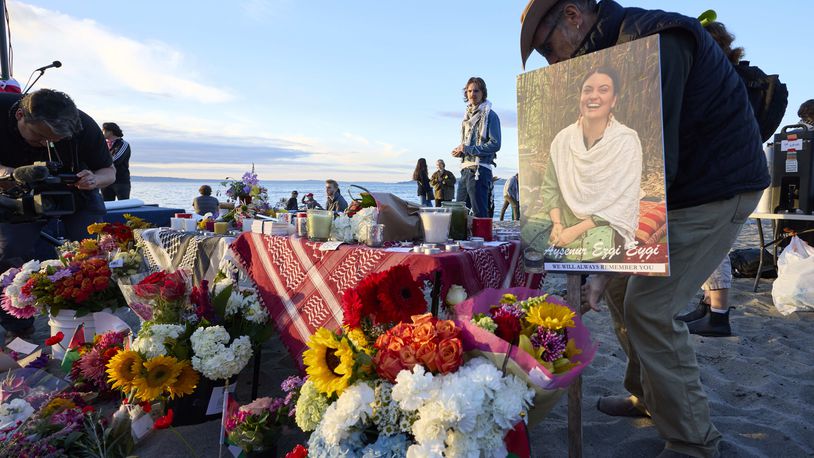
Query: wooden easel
{"type": "Point", "coordinates": [574, 288]}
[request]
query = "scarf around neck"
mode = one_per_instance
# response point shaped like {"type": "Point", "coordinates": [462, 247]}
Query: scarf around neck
{"type": "Point", "coordinates": [473, 116]}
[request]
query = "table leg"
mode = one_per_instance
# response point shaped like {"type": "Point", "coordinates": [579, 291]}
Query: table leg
{"type": "Point", "coordinates": [575, 390]}
{"type": "Point", "coordinates": [760, 256]}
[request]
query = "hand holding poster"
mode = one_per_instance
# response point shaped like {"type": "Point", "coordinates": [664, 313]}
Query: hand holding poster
{"type": "Point", "coordinates": [592, 163]}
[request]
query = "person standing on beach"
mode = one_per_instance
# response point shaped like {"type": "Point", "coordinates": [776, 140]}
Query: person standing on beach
{"type": "Point", "coordinates": [206, 202]}
{"type": "Point", "coordinates": [713, 184]}
{"type": "Point", "coordinates": [310, 202]}
{"type": "Point", "coordinates": [335, 202]}
{"type": "Point", "coordinates": [120, 150]}
{"type": "Point", "coordinates": [422, 178]}
{"type": "Point", "coordinates": [480, 142]}
{"type": "Point", "coordinates": [292, 204]}
{"type": "Point", "coordinates": [511, 196]}
{"type": "Point", "coordinates": [443, 183]}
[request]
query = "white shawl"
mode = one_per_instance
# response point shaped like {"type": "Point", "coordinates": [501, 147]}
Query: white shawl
{"type": "Point", "coordinates": [603, 181]}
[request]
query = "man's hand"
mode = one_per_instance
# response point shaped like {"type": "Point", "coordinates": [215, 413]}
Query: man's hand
{"type": "Point", "coordinates": [592, 291]}
{"type": "Point", "coordinates": [458, 151]}
{"type": "Point", "coordinates": [87, 181]}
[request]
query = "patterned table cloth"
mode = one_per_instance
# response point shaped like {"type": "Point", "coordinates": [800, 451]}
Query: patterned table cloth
{"type": "Point", "coordinates": [202, 255]}
{"type": "Point", "coordinates": [302, 286]}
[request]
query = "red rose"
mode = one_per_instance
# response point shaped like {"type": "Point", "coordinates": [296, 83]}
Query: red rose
{"type": "Point", "coordinates": [147, 407]}
{"type": "Point", "coordinates": [449, 356]}
{"type": "Point", "coordinates": [149, 287]}
{"type": "Point", "coordinates": [407, 355]}
{"type": "Point", "coordinates": [298, 452]}
{"type": "Point", "coordinates": [55, 339]}
{"type": "Point", "coordinates": [174, 287]}
{"type": "Point", "coordinates": [388, 365]}
{"type": "Point", "coordinates": [163, 422]}
{"type": "Point", "coordinates": [508, 327]}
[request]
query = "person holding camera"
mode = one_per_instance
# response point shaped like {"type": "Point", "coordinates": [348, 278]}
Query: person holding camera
{"type": "Point", "coordinates": [46, 126]}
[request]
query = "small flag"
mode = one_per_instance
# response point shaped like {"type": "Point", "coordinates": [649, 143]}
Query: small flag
{"type": "Point", "coordinates": [72, 352]}
{"type": "Point", "coordinates": [78, 338]}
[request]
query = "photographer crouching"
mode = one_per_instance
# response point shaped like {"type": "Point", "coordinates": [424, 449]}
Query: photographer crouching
{"type": "Point", "coordinates": [46, 127]}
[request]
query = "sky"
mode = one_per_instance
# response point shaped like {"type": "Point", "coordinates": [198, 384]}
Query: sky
{"type": "Point", "coordinates": [356, 90]}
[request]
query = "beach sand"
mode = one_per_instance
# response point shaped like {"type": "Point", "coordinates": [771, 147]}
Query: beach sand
{"type": "Point", "coordinates": [760, 384]}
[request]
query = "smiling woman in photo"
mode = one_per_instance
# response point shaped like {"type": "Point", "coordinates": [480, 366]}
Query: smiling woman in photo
{"type": "Point", "coordinates": [591, 188]}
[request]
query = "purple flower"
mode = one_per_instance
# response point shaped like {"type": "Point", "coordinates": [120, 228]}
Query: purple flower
{"type": "Point", "coordinates": [247, 189]}
{"type": "Point", "coordinates": [8, 277]}
{"type": "Point", "coordinates": [553, 343]}
{"type": "Point", "coordinates": [508, 309]}
{"type": "Point", "coordinates": [39, 362]}
{"type": "Point", "coordinates": [60, 274]}
{"type": "Point", "coordinates": [292, 383]}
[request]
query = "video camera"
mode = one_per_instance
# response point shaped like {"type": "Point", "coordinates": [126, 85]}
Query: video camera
{"type": "Point", "coordinates": [38, 192]}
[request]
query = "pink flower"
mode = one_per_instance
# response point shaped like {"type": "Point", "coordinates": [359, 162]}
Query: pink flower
{"type": "Point", "coordinates": [26, 311]}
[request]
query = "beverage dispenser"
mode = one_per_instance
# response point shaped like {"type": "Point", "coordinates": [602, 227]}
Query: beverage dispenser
{"type": "Point", "coordinates": [793, 170]}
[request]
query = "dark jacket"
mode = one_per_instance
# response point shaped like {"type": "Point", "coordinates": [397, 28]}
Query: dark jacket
{"type": "Point", "coordinates": [718, 152]}
{"type": "Point", "coordinates": [424, 190]}
{"type": "Point", "coordinates": [444, 185]}
{"type": "Point", "coordinates": [120, 150]}
{"type": "Point", "coordinates": [337, 203]}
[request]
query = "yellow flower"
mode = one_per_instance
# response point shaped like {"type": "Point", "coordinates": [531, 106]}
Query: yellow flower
{"type": "Point", "coordinates": [187, 381]}
{"type": "Point", "coordinates": [57, 405]}
{"type": "Point", "coordinates": [96, 228]}
{"type": "Point", "coordinates": [508, 299]}
{"type": "Point", "coordinates": [329, 362]}
{"type": "Point", "coordinates": [123, 368]}
{"type": "Point", "coordinates": [551, 316]}
{"type": "Point", "coordinates": [571, 349]}
{"type": "Point", "coordinates": [160, 373]}
{"type": "Point", "coordinates": [358, 339]}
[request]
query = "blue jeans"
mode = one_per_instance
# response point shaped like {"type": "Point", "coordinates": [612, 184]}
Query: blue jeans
{"type": "Point", "coordinates": [475, 192]}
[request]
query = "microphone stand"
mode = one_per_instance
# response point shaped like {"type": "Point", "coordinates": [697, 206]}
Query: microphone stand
{"type": "Point", "coordinates": [28, 87]}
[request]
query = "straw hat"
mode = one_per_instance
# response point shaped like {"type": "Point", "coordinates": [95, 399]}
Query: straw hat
{"type": "Point", "coordinates": [530, 19]}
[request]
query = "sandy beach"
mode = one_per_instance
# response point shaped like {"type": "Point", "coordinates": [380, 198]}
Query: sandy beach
{"type": "Point", "coordinates": [760, 383]}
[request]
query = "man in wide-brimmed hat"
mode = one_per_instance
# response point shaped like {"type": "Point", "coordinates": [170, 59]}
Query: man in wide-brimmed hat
{"type": "Point", "coordinates": [713, 183]}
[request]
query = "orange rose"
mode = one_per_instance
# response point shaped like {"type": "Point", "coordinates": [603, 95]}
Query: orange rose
{"type": "Point", "coordinates": [395, 344]}
{"type": "Point", "coordinates": [446, 329]}
{"type": "Point", "coordinates": [449, 356]}
{"type": "Point", "coordinates": [407, 355]}
{"type": "Point", "coordinates": [425, 318]}
{"type": "Point", "coordinates": [426, 355]}
{"type": "Point", "coordinates": [424, 332]}
{"type": "Point", "coordinates": [403, 330]}
{"type": "Point", "coordinates": [388, 365]}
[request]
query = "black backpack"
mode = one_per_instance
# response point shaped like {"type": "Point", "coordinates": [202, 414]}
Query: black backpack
{"type": "Point", "coordinates": [768, 96]}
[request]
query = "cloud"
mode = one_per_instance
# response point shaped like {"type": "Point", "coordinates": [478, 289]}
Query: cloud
{"type": "Point", "coordinates": [94, 56]}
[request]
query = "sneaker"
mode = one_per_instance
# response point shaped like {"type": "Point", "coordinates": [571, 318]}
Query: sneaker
{"type": "Point", "coordinates": [621, 406]}
{"type": "Point", "coordinates": [699, 312]}
{"type": "Point", "coordinates": [712, 325]}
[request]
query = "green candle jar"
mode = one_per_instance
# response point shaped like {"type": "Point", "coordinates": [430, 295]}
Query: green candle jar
{"type": "Point", "coordinates": [457, 227]}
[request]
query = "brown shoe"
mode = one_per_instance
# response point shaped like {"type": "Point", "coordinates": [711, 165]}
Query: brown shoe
{"type": "Point", "coordinates": [622, 406]}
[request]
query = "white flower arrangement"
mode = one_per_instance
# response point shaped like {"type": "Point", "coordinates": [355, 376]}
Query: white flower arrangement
{"type": "Point", "coordinates": [14, 413]}
{"type": "Point", "coordinates": [152, 340]}
{"type": "Point", "coordinates": [213, 358]}
{"type": "Point", "coordinates": [125, 263]}
{"type": "Point", "coordinates": [14, 291]}
{"type": "Point", "coordinates": [341, 229]}
{"type": "Point", "coordinates": [361, 222]}
{"type": "Point", "coordinates": [348, 414]}
{"type": "Point", "coordinates": [311, 406]}
{"type": "Point", "coordinates": [244, 301]}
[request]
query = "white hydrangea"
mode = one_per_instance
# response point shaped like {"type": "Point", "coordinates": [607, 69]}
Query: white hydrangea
{"type": "Point", "coordinates": [415, 388]}
{"type": "Point", "coordinates": [354, 407]}
{"type": "Point", "coordinates": [44, 265]}
{"type": "Point", "coordinates": [253, 310]}
{"type": "Point", "coordinates": [360, 222]}
{"type": "Point", "coordinates": [341, 229]}
{"type": "Point", "coordinates": [14, 411]}
{"type": "Point", "coordinates": [151, 341]}
{"type": "Point", "coordinates": [213, 358]}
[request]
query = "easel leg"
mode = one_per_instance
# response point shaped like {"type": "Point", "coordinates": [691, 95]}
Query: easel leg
{"type": "Point", "coordinates": [575, 390]}
{"type": "Point", "coordinates": [760, 257]}
{"type": "Point", "coordinates": [256, 374]}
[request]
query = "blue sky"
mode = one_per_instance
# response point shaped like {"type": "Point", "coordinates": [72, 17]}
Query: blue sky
{"type": "Point", "coordinates": [356, 90]}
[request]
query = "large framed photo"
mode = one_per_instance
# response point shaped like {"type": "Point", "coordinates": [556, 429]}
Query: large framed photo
{"type": "Point", "coordinates": [591, 160]}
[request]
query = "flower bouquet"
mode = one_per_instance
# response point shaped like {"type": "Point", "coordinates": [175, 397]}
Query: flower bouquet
{"type": "Point", "coordinates": [88, 372]}
{"type": "Point", "coordinates": [254, 427]}
{"type": "Point", "coordinates": [246, 189]}
{"type": "Point", "coordinates": [536, 337]}
{"type": "Point", "coordinates": [393, 381]}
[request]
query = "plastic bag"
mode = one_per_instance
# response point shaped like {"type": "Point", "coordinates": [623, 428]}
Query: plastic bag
{"type": "Point", "coordinates": [793, 291]}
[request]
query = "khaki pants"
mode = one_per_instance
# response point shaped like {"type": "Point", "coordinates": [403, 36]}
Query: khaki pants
{"type": "Point", "coordinates": [662, 370]}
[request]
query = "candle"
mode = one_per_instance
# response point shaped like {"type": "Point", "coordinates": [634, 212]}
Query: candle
{"type": "Point", "coordinates": [482, 227]}
{"type": "Point", "coordinates": [210, 225]}
{"type": "Point", "coordinates": [183, 215]}
{"type": "Point", "coordinates": [221, 227]}
{"type": "Point", "coordinates": [190, 225]}
{"type": "Point", "coordinates": [177, 224]}
{"type": "Point", "coordinates": [460, 219]}
{"type": "Point", "coordinates": [319, 224]}
{"type": "Point", "coordinates": [376, 235]}
{"type": "Point", "coordinates": [247, 224]}
{"type": "Point", "coordinates": [436, 224]}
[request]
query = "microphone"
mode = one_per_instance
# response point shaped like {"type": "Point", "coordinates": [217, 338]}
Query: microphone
{"type": "Point", "coordinates": [55, 64]}
{"type": "Point", "coordinates": [29, 174]}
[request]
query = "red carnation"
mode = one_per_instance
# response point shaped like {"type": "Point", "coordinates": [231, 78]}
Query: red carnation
{"type": "Point", "coordinates": [298, 452]}
{"type": "Point", "coordinates": [87, 409]}
{"type": "Point", "coordinates": [55, 339]}
{"type": "Point", "coordinates": [508, 327]}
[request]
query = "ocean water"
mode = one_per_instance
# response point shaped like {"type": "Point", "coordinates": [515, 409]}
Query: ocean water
{"type": "Point", "coordinates": [179, 193]}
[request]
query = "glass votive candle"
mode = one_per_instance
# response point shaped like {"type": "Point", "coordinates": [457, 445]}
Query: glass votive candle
{"type": "Point", "coordinates": [482, 227]}
{"type": "Point", "coordinates": [319, 224]}
{"type": "Point", "coordinates": [221, 227]}
{"type": "Point", "coordinates": [302, 224]}
{"type": "Point", "coordinates": [375, 235]}
{"type": "Point", "coordinates": [177, 224]}
{"type": "Point", "coordinates": [435, 222]}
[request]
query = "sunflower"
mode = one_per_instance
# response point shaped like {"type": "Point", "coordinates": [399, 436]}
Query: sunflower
{"type": "Point", "coordinates": [551, 316]}
{"type": "Point", "coordinates": [187, 381]}
{"type": "Point", "coordinates": [161, 373]}
{"type": "Point", "coordinates": [329, 362]}
{"type": "Point", "coordinates": [56, 406]}
{"type": "Point", "coordinates": [123, 368]}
